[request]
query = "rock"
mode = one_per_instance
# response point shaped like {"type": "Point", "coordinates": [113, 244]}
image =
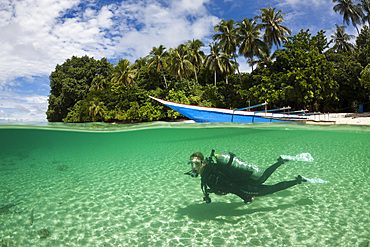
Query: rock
{"type": "Point", "coordinates": [44, 233]}
{"type": "Point", "coordinates": [62, 168]}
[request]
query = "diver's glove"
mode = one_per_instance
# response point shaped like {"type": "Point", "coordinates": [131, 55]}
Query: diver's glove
{"type": "Point", "coordinates": [192, 173]}
{"type": "Point", "coordinates": [207, 199]}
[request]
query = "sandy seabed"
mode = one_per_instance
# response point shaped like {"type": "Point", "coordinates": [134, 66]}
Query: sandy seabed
{"type": "Point", "coordinates": [85, 197]}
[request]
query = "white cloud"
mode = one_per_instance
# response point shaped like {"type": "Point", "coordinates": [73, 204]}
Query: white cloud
{"type": "Point", "coordinates": [243, 65]}
{"type": "Point", "coordinates": [313, 14]}
{"type": "Point", "coordinates": [310, 3]}
{"type": "Point", "coordinates": [38, 34]}
{"type": "Point", "coordinates": [168, 25]}
{"type": "Point", "coordinates": [192, 7]}
{"type": "Point", "coordinates": [21, 108]}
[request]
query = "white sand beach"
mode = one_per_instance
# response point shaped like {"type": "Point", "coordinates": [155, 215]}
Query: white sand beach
{"type": "Point", "coordinates": [332, 118]}
{"type": "Point", "coordinates": [342, 118]}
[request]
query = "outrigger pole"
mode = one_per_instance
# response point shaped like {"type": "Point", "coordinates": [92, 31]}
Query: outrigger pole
{"type": "Point", "coordinates": [249, 107]}
{"type": "Point", "coordinates": [297, 112]}
{"type": "Point", "coordinates": [245, 108]}
{"type": "Point", "coordinates": [277, 109]}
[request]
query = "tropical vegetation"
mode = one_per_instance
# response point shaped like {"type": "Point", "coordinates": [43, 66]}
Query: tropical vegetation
{"type": "Point", "coordinates": [304, 71]}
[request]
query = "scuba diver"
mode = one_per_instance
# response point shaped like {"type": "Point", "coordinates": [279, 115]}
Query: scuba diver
{"type": "Point", "coordinates": [230, 174]}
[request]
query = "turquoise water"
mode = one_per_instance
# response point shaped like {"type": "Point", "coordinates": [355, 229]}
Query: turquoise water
{"type": "Point", "coordinates": [99, 185]}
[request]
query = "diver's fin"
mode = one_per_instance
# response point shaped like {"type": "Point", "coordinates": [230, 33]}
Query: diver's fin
{"type": "Point", "coordinates": [300, 157]}
{"type": "Point", "coordinates": [315, 180]}
{"type": "Point", "coordinates": [300, 179]}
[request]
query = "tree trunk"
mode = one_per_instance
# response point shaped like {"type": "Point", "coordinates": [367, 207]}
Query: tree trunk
{"type": "Point", "coordinates": [165, 81]}
{"type": "Point", "coordinates": [252, 62]}
{"type": "Point", "coordinates": [195, 73]}
{"type": "Point", "coordinates": [187, 81]}
{"type": "Point", "coordinates": [215, 77]}
{"type": "Point", "coordinates": [237, 67]}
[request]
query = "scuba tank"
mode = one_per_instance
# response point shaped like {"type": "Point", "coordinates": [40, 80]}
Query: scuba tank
{"type": "Point", "coordinates": [238, 170]}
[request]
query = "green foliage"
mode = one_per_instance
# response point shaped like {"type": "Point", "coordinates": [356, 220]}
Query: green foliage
{"type": "Point", "coordinates": [178, 96]}
{"type": "Point", "coordinates": [341, 39]}
{"type": "Point", "coordinates": [304, 42]}
{"type": "Point", "coordinates": [365, 80]}
{"type": "Point", "coordinates": [79, 113]}
{"type": "Point", "coordinates": [271, 22]}
{"type": "Point", "coordinates": [300, 77]}
{"type": "Point", "coordinates": [213, 96]}
{"type": "Point", "coordinates": [148, 112]}
{"type": "Point", "coordinates": [319, 42]}
{"type": "Point", "coordinates": [70, 83]}
{"type": "Point", "coordinates": [363, 46]}
{"type": "Point", "coordinates": [305, 74]}
{"type": "Point", "coordinates": [347, 73]}
{"type": "Point", "coordinates": [124, 73]}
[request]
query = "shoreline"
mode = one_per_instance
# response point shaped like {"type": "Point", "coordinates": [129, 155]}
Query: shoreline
{"type": "Point", "coordinates": [341, 118]}
{"type": "Point", "coordinates": [320, 119]}
{"type": "Point", "coordinates": [327, 119]}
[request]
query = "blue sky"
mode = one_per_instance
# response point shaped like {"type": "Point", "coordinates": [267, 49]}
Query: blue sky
{"type": "Point", "coordinates": [36, 35]}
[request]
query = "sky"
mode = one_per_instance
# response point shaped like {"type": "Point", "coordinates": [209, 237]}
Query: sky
{"type": "Point", "coordinates": [36, 35]}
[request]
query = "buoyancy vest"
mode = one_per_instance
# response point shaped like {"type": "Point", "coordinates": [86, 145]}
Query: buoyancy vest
{"type": "Point", "coordinates": [238, 170]}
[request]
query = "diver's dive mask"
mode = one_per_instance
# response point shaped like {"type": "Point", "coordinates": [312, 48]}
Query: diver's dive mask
{"type": "Point", "coordinates": [195, 164]}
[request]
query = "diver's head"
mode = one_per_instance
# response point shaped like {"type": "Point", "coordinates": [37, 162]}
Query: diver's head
{"type": "Point", "coordinates": [196, 163]}
{"type": "Point", "coordinates": [198, 155]}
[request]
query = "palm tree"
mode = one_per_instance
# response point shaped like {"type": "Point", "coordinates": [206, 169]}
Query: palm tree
{"type": "Point", "coordinates": [196, 55]}
{"type": "Point", "coordinates": [350, 11]}
{"type": "Point", "coordinates": [229, 66]}
{"type": "Point", "coordinates": [97, 83]}
{"type": "Point", "coordinates": [249, 38]}
{"type": "Point", "coordinates": [140, 63]}
{"type": "Point", "coordinates": [123, 73]}
{"type": "Point", "coordinates": [341, 39]}
{"type": "Point", "coordinates": [215, 60]}
{"type": "Point", "coordinates": [180, 63]}
{"type": "Point", "coordinates": [271, 22]}
{"type": "Point", "coordinates": [96, 108]}
{"type": "Point", "coordinates": [227, 39]}
{"type": "Point", "coordinates": [158, 59]}
{"type": "Point", "coordinates": [366, 8]}
{"type": "Point", "coordinates": [264, 57]}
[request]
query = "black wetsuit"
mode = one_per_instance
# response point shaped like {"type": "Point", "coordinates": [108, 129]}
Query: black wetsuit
{"type": "Point", "coordinates": [216, 177]}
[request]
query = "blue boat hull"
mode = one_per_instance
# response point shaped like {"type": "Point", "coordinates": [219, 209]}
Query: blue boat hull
{"type": "Point", "coordinates": [201, 114]}
{"type": "Point", "coordinates": [204, 116]}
